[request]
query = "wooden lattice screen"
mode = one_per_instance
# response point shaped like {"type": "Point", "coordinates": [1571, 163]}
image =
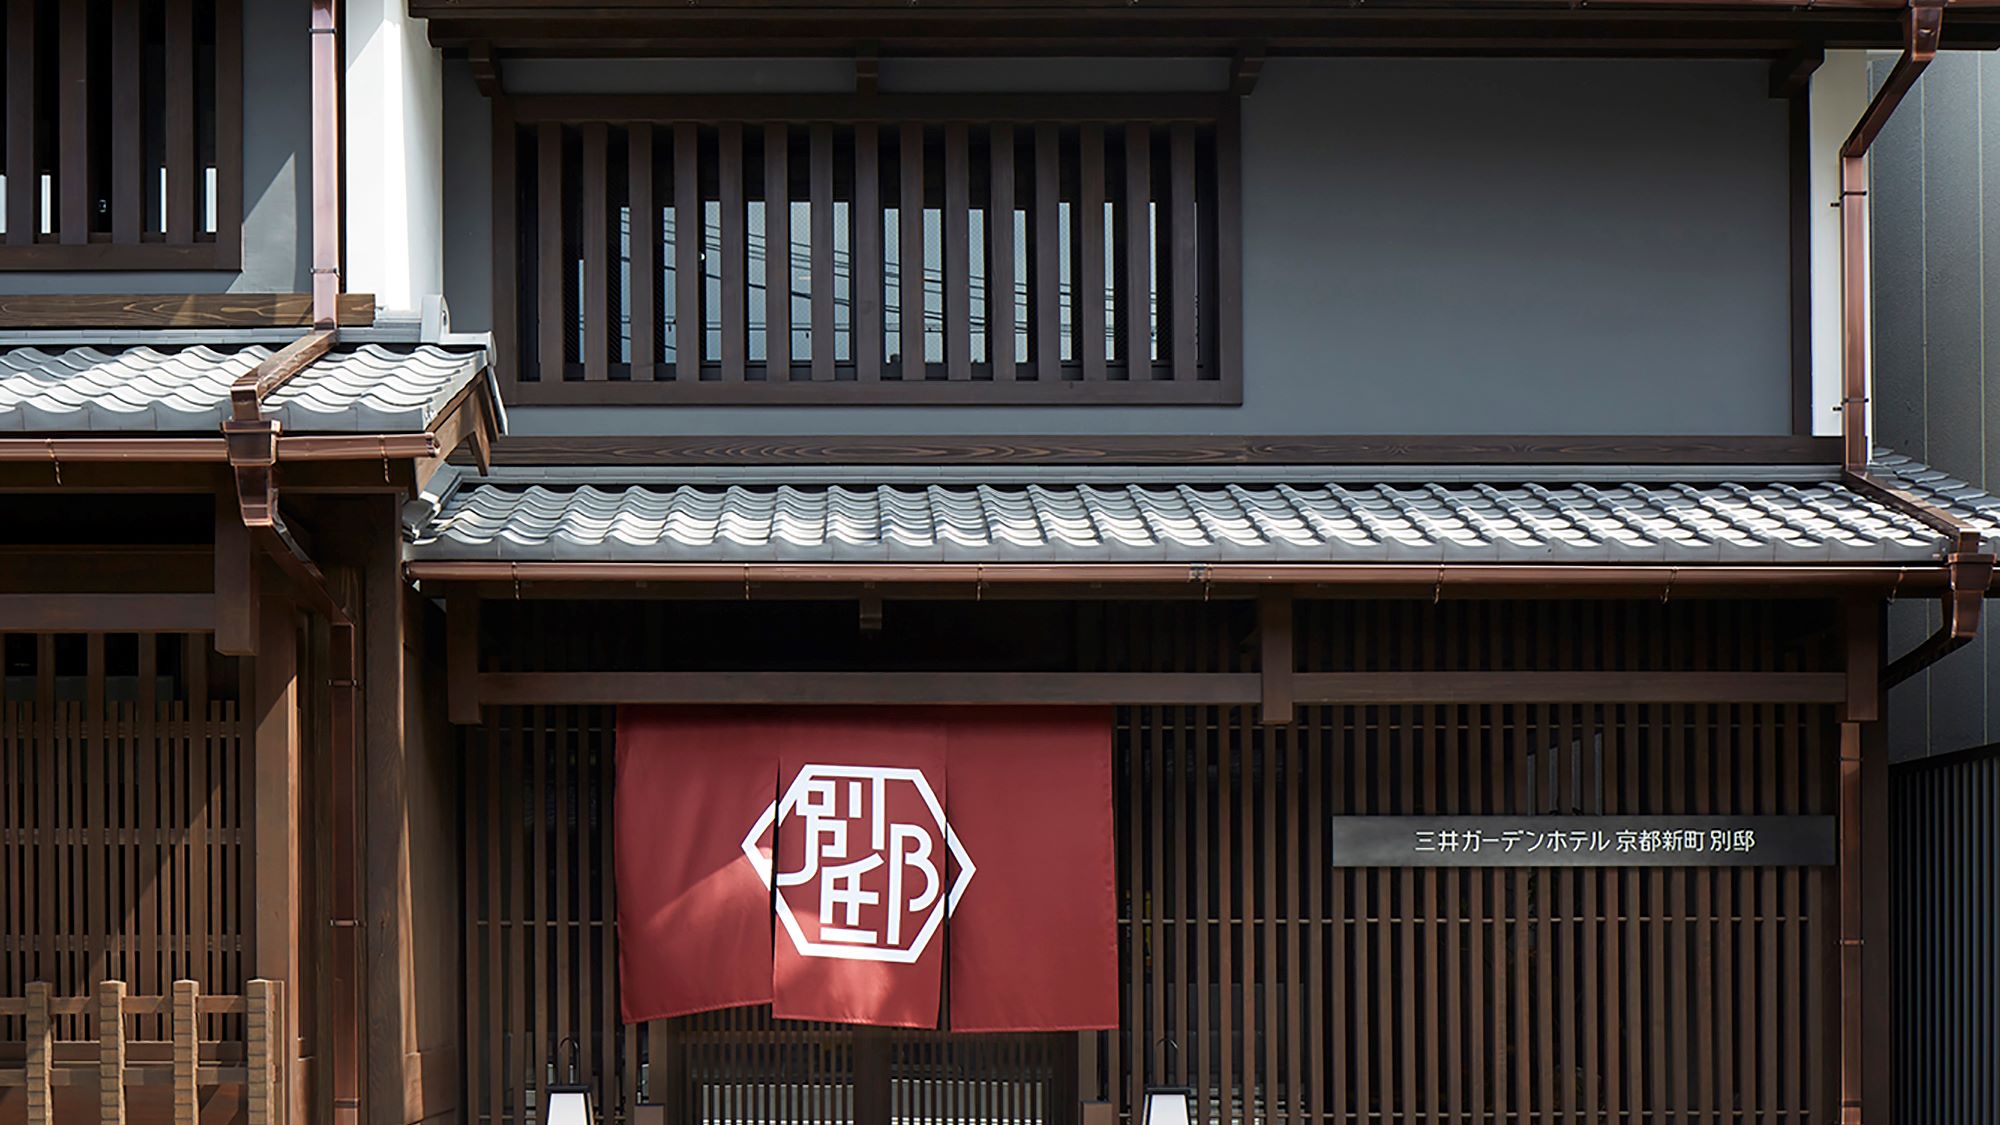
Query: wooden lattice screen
{"type": "Point", "coordinates": [894, 249]}
{"type": "Point", "coordinates": [124, 134]}
{"type": "Point", "coordinates": [1290, 991]}
{"type": "Point", "coordinates": [124, 806]}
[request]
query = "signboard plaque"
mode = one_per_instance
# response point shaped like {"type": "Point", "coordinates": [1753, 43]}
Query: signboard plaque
{"type": "Point", "coordinates": [1583, 841]}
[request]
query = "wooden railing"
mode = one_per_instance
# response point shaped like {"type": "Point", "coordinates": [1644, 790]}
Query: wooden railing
{"type": "Point", "coordinates": [868, 249]}
{"type": "Point", "coordinates": [45, 1066]}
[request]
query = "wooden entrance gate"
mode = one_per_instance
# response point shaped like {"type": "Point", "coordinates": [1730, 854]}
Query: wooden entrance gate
{"type": "Point", "coordinates": [1277, 987]}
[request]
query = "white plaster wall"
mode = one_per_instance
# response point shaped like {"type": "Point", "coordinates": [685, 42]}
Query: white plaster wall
{"type": "Point", "coordinates": [393, 104]}
{"type": "Point", "coordinates": [1839, 95]}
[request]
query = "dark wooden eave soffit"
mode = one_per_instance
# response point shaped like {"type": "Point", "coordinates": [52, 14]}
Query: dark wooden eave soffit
{"type": "Point", "coordinates": [1115, 27]}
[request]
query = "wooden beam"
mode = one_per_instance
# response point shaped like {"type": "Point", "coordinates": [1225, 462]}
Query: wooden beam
{"type": "Point", "coordinates": [1791, 72]}
{"type": "Point", "coordinates": [1358, 688]}
{"type": "Point", "coordinates": [178, 310]}
{"type": "Point", "coordinates": [462, 655]}
{"type": "Point", "coordinates": [1159, 688]}
{"type": "Point", "coordinates": [508, 688]}
{"type": "Point", "coordinates": [1128, 449]}
{"type": "Point", "coordinates": [107, 613]}
{"type": "Point", "coordinates": [1274, 635]}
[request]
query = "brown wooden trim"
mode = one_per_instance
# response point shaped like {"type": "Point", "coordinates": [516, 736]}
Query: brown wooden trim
{"type": "Point", "coordinates": [1097, 580]}
{"type": "Point", "coordinates": [1166, 449]}
{"type": "Point", "coordinates": [58, 451]}
{"type": "Point", "coordinates": [179, 310]}
{"type": "Point", "coordinates": [1275, 659]}
{"type": "Point", "coordinates": [137, 257]}
{"type": "Point", "coordinates": [1155, 688]}
{"type": "Point", "coordinates": [911, 389]}
{"type": "Point", "coordinates": [237, 600]}
{"type": "Point", "coordinates": [107, 613]}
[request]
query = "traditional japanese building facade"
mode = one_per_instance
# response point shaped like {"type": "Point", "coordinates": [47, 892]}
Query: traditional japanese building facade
{"type": "Point", "coordinates": [1432, 444]}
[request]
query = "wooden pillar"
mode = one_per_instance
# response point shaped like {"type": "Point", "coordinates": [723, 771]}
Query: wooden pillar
{"type": "Point", "coordinates": [236, 594]}
{"type": "Point", "coordinates": [187, 1052]}
{"type": "Point", "coordinates": [111, 1052]}
{"type": "Point", "coordinates": [389, 1039]}
{"type": "Point", "coordinates": [41, 1110]}
{"type": "Point", "coordinates": [1864, 1005]}
{"type": "Point", "coordinates": [275, 835]}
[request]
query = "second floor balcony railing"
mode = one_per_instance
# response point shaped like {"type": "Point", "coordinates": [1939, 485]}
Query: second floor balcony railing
{"type": "Point", "coordinates": [879, 249]}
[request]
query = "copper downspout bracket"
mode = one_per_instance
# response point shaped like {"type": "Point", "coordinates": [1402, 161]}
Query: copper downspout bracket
{"type": "Point", "coordinates": [253, 458]}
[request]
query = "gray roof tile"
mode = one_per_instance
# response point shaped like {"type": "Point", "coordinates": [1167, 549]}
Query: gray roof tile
{"type": "Point", "coordinates": [365, 389]}
{"type": "Point", "coordinates": [561, 515]}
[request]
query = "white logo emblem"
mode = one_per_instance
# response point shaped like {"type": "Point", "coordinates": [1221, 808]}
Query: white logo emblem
{"type": "Point", "coordinates": [866, 851]}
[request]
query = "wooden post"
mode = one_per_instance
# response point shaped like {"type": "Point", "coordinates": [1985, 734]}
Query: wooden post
{"type": "Point", "coordinates": [389, 1020]}
{"type": "Point", "coordinates": [275, 831]}
{"type": "Point", "coordinates": [187, 1051]}
{"type": "Point", "coordinates": [111, 1052]}
{"type": "Point", "coordinates": [264, 1032]}
{"type": "Point", "coordinates": [236, 631]}
{"type": "Point", "coordinates": [1274, 632]}
{"type": "Point", "coordinates": [40, 1050]}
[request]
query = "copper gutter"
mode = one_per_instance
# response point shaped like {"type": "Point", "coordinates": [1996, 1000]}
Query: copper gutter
{"type": "Point", "coordinates": [177, 450]}
{"type": "Point", "coordinates": [1648, 580]}
{"type": "Point", "coordinates": [1970, 570]}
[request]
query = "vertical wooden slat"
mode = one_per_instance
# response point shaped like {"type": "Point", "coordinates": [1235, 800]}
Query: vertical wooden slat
{"type": "Point", "coordinates": [777, 254]}
{"type": "Point", "coordinates": [1000, 279]}
{"type": "Point", "coordinates": [1225, 910]}
{"type": "Point", "coordinates": [868, 290]}
{"type": "Point", "coordinates": [1184, 235]}
{"type": "Point", "coordinates": [820, 186]}
{"type": "Point", "coordinates": [910, 250]}
{"type": "Point", "coordinates": [1228, 302]}
{"type": "Point", "coordinates": [73, 131]}
{"type": "Point", "coordinates": [111, 1052]}
{"type": "Point", "coordinates": [187, 1051]}
{"type": "Point", "coordinates": [144, 820]}
{"type": "Point", "coordinates": [551, 327]}
{"type": "Point", "coordinates": [690, 232]}
{"type": "Point", "coordinates": [643, 242]}
{"type": "Point", "coordinates": [1136, 300]}
{"type": "Point", "coordinates": [23, 180]}
{"type": "Point", "coordinates": [957, 256]}
{"type": "Point", "coordinates": [95, 837]}
{"type": "Point", "coordinates": [1091, 288]}
{"type": "Point", "coordinates": [735, 262]}
{"type": "Point", "coordinates": [596, 242]}
{"type": "Point", "coordinates": [1048, 331]}
{"type": "Point", "coordinates": [181, 161]}
{"type": "Point", "coordinates": [506, 235]}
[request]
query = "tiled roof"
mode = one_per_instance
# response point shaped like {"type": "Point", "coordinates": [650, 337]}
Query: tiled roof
{"type": "Point", "coordinates": [1965, 502]}
{"type": "Point", "coordinates": [365, 389]}
{"type": "Point", "coordinates": [907, 516]}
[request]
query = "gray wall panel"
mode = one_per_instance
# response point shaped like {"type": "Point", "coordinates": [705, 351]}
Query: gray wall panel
{"type": "Point", "coordinates": [1936, 206]}
{"type": "Point", "coordinates": [1945, 880]}
{"type": "Point", "coordinates": [468, 220]}
{"type": "Point", "coordinates": [277, 174]}
{"type": "Point", "coordinates": [1433, 246]}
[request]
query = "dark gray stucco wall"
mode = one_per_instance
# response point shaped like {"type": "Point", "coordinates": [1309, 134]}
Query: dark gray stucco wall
{"type": "Point", "coordinates": [277, 174]}
{"type": "Point", "coordinates": [1936, 205]}
{"type": "Point", "coordinates": [1430, 246]}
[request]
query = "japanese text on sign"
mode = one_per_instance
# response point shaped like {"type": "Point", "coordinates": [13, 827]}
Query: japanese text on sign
{"type": "Point", "coordinates": [1582, 841]}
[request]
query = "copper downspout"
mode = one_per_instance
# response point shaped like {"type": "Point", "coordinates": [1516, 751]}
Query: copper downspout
{"type": "Point", "coordinates": [1922, 24]}
{"type": "Point", "coordinates": [326, 163]}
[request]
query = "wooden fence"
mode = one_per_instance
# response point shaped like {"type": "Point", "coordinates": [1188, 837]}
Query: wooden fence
{"type": "Point", "coordinates": [115, 1061]}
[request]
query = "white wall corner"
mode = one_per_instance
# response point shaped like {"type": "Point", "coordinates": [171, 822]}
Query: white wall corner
{"type": "Point", "coordinates": [393, 115]}
{"type": "Point", "coordinates": [1839, 95]}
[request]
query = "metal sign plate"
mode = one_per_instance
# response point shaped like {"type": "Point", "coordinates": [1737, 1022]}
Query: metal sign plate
{"type": "Point", "coordinates": [1583, 841]}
